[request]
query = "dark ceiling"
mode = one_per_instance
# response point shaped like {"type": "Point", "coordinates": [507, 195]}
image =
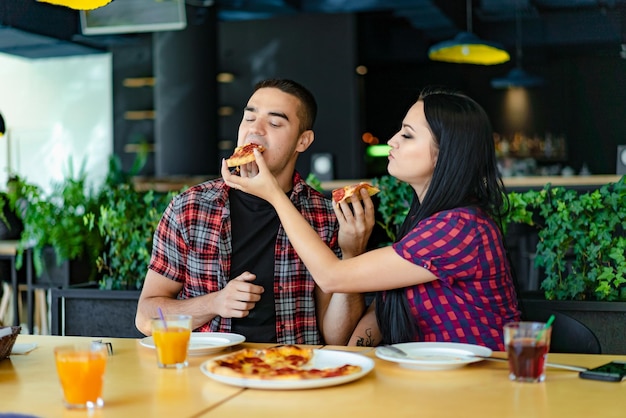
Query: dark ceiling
{"type": "Point", "coordinates": [544, 23]}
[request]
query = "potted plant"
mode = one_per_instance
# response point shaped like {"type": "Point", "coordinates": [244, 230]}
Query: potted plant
{"type": "Point", "coordinates": [579, 256]}
{"type": "Point", "coordinates": [54, 230]}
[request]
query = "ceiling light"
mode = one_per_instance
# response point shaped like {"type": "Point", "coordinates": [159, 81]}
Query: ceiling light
{"type": "Point", "coordinates": [517, 77]}
{"type": "Point", "coordinates": [467, 48]}
{"type": "Point", "coordinates": [79, 4]}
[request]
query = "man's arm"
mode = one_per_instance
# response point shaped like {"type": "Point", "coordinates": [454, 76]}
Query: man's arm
{"type": "Point", "coordinates": [234, 301]}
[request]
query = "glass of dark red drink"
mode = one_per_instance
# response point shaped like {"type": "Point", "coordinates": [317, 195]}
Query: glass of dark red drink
{"type": "Point", "coordinates": [527, 345]}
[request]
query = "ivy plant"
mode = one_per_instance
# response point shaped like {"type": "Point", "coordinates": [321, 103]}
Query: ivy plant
{"type": "Point", "coordinates": [582, 243]}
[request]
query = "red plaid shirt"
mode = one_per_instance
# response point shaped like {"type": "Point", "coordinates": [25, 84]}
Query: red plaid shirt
{"type": "Point", "coordinates": [192, 245]}
{"type": "Point", "coordinates": [474, 295]}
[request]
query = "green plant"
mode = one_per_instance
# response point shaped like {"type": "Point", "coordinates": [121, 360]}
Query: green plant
{"type": "Point", "coordinates": [582, 242]}
{"type": "Point", "coordinates": [394, 202]}
{"type": "Point", "coordinates": [126, 219]}
{"type": "Point", "coordinates": [55, 219]}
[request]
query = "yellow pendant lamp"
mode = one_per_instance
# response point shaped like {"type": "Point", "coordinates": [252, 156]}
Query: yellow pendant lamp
{"type": "Point", "coordinates": [78, 4]}
{"type": "Point", "coordinates": [467, 48]}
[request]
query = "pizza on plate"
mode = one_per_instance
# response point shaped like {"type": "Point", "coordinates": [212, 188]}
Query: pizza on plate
{"type": "Point", "coordinates": [243, 155]}
{"type": "Point", "coordinates": [343, 194]}
{"type": "Point", "coordinates": [285, 362]}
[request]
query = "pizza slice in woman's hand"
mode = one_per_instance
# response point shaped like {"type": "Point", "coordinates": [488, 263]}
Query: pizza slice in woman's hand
{"type": "Point", "coordinates": [343, 194]}
{"type": "Point", "coordinates": [243, 155]}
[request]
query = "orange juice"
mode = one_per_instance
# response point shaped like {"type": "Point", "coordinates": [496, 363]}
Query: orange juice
{"type": "Point", "coordinates": [81, 372]}
{"type": "Point", "coordinates": [171, 344]}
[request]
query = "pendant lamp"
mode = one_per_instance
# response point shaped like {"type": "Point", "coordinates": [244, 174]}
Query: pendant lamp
{"type": "Point", "coordinates": [79, 4]}
{"type": "Point", "coordinates": [517, 77]}
{"type": "Point", "coordinates": [467, 48]}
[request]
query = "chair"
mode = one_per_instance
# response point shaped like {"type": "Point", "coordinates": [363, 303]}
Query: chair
{"type": "Point", "coordinates": [569, 335]}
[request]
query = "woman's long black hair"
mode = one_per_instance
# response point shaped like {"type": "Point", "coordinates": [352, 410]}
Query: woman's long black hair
{"type": "Point", "coordinates": [466, 174]}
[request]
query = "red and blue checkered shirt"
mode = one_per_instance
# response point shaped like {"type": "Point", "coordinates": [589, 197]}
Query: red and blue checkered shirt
{"type": "Point", "coordinates": [192, 245]}
{"type": "Point", "coordinates": [474, 295]}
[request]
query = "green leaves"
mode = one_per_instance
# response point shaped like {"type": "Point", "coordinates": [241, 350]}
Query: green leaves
{"type": "Point", "coordinates": [55, 219]}
{"type": "Point", "coordinates": [395, 201]}
{"type": "Point", "coordinates": [582, 239]}
{"type": "Point", "coordinates": [126, 220]}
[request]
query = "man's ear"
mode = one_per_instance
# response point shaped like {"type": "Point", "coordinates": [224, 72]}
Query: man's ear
{"type": "Point", "coordinates": [305, 140]}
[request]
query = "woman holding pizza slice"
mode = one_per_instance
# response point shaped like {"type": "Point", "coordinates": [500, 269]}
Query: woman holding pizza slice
{"type": "Point", "coordinates": [447, 277]}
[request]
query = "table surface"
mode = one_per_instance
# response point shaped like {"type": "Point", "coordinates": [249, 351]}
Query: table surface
{"type": "Point", "coordinates": [135, 386]}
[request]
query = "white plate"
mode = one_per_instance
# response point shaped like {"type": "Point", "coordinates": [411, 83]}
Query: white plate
{"type": "Point", "coordinates": [434, 356]}
{"type": "Point", "coordinates": [321, 359]}
{"type": "Point", "coordinates": [202, 343]}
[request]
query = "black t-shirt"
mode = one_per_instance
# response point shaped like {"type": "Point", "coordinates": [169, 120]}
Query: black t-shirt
{"type": "Point", "coordinates": [254, 228]}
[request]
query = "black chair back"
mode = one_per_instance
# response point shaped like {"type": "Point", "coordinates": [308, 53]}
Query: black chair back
{"type": "Point", "coordinates": [569, 335]}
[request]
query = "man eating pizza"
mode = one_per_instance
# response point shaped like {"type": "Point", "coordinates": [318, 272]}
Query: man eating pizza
{"type": "Point", "coordinates": [222, 255]}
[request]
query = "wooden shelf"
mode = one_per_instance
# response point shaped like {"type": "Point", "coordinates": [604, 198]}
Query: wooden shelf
{"type": "Point", "coordinates": [137, 82]}
{"type": "Point", "coordinates": [139, 114]}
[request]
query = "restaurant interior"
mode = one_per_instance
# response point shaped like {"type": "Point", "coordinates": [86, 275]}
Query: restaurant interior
{"type": "Point", "coordinates": [169, 79]}
{"type": "Point", "coordinates": [556, 103]}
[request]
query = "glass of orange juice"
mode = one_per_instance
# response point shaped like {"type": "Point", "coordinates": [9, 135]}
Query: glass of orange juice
{"type": "Point", "coordinates": [171, 335]}
{"type": "Point", "coordinates": [80, 368]}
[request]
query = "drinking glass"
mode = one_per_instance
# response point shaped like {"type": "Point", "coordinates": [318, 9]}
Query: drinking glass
{"type": "Point", "coordinates": [80, 368]}
{"type": "Point", "coordinates": [171, 338]}
{"type": "Point", "coordinates": [527, 345]}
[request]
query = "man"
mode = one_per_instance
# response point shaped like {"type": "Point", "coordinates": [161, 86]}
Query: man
{"type": "Point", "coordinates": [222, 255]}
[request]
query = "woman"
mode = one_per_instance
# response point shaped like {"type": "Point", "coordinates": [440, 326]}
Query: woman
{"type": "Point", "coordinates": [447, 277]}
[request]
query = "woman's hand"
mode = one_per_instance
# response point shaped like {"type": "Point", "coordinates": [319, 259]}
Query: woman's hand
{"type": "Point", "coordinates": [355, 225]}
{"type": "Point", "coordinates": [262, 184]}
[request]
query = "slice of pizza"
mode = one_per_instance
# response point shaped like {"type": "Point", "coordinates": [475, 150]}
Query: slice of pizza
{"type": "Point", "coordinates": [343, 194]}
{"type": "Point", "coordinates": [243, 155]}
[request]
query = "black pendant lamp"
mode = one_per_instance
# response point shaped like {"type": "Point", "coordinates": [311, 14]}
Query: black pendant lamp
{"type": "Point", "coordinates": [517, 77]}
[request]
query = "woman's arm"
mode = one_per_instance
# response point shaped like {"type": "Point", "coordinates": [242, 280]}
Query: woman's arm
{"type": "Point", "coordinates": [378, 269]}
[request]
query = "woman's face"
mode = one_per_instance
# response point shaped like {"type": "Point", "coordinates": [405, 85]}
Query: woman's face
{"type": "Point", "coordinates": [413, 151]}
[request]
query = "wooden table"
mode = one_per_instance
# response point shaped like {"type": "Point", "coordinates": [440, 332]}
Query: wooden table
{"type": "Point", "coordinates": [136, 387]}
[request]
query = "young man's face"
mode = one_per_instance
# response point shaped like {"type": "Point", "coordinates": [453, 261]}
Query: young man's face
{"type": "Point", "coordinates": [270, 119]}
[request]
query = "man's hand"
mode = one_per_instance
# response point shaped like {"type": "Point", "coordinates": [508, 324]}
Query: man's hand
{"type": "Point", "coordinates": [356, 224]}
{"type": "Point", "coordinates": [238, 297]}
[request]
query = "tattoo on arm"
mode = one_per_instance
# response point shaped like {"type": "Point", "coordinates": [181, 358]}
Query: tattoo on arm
{"type": "Point", "coordinates": [366, 341]}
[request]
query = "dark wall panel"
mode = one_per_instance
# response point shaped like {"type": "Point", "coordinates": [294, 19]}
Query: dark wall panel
{"type": "Point", "coordinates": [185, 97]}
{"type": "Point", "coordinates": [318, 51]}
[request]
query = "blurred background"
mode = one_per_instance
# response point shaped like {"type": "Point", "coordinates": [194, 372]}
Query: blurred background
{"type": "Point", "coordinates": [171, 77]}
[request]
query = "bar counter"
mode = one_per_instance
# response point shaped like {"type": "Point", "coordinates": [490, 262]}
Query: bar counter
{"type": "Point", "coordinates": [522, 183]}
{"type": "Point", "coordinates": [135, 387]}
